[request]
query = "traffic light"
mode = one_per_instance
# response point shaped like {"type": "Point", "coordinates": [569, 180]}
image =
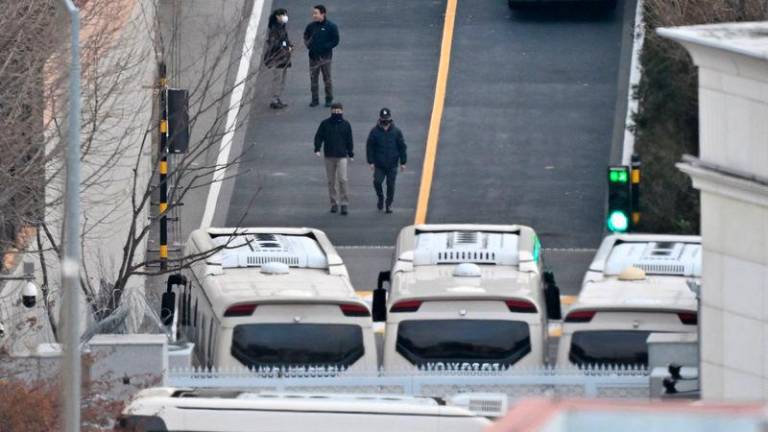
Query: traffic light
{"type": "Point", "coordinates": [178, 120]}
{"type": "Point", "coordinates": [619, 198]}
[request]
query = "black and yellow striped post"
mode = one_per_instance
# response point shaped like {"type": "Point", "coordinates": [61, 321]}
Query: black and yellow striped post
{"type": "Point", "coordinates": [163, 169]}
{"type": "Point", "coordinates": [635, 177]}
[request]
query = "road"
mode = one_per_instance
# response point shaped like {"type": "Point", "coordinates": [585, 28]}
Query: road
{"type": "Point", "coordinates": [525, 137]}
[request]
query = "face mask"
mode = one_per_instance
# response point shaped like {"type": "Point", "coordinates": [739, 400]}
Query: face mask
{"type": "Point", "coordinates": [336, 116]}
{"type": "Point", "coordinates": [385, 123]}
{"type": "Point", "coordinates": [284, 19]}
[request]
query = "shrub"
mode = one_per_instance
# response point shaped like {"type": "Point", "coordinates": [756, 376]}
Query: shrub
{"type": "Point", "coordinates": [667, 121]}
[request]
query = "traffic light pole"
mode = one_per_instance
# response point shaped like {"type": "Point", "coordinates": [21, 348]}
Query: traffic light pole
{"type": "Point", "coordinates": [163, 168]}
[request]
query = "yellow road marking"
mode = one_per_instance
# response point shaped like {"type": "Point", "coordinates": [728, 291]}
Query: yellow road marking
{"type": "Point", "coordinates": [437, 113]}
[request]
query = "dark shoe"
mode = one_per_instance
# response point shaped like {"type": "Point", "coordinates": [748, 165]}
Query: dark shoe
{"type": "Point", "coordinates": [277, 105]}
{"type": "Point", "coordinates": [389, 209]}
{"type": "Point", "coordinates": [380, 203]}
{"type": "Point", "coordinates": [328, 103]}
{"type": "Point", "coordinates": [334, 208]}
{"type": "Point", "coordinates": [314, 103]}
{"type": "Point", "coordinates": [344, 210]}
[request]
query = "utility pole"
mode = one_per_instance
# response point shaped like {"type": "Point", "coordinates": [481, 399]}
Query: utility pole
{"type": "Point", "coordinates": [70, 264]}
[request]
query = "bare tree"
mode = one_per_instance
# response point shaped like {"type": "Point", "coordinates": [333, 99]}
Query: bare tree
{"type": "Point", "coordinates": [118, 137]}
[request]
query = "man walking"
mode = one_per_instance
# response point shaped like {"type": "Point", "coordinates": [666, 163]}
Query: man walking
{"type": "Point", "coordinates": [321, 36]}
{"type": "Point", "coordinates": [385, 150]}
{"type": "Point", "coordinates": [334, 135]}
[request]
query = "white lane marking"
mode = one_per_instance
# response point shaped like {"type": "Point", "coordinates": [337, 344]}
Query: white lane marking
{"type": "Point", "coordinates": [234, 110]}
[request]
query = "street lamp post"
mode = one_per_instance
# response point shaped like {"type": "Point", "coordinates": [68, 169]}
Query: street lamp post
{"type": "Point", "coordinates": [70, 265]}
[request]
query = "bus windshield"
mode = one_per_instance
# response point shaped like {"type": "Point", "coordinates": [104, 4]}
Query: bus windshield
{"type": "Point", "coordinates": [278, 345]}
{"type": "Point", "coordinates": [447, 342]}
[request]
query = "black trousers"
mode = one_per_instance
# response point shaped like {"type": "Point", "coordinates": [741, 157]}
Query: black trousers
{"type": "Point", "coordinates": [316, 67]}
{"type": "Point", "coordinates": [379, 174]}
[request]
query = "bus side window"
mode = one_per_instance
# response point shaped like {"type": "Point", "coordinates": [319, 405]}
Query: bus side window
{"type": "Point", "coordinates": [195, 317]}
{"type": "Point", "coordinates": [210, 344]}
{"type": "Point", "coordinates": [201, 339]}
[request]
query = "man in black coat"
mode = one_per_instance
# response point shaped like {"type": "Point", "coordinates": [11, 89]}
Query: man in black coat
{"type": "Point", "coordinates": [334, 135]}
{"type": "Point", "coordinates": [385, 150]}
{"type": "Point", "coordinates": [321, 36]}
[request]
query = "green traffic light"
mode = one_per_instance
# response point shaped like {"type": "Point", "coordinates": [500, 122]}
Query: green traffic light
{"type": "Point", "coordinates": [618, 176]}
{"type": "Point", "coordinates": [618, 221]}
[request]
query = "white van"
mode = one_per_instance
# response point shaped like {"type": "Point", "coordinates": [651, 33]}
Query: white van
{"type": "Point", "coordinates": [269, 297]}
{"type": "Point", "coordinates": [637, 284]}
{"type": "Point", "coordinates": [465, 296]}
{"type": "Point", "coordinates": [169, 409]}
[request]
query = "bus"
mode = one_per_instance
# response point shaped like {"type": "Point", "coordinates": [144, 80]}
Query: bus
{"type": "Point", "coordinates": [264, 298]}
{"type": "Point", "coordinates": [637, 284]}
{"type": "Point", "coordinates": [466, 296]}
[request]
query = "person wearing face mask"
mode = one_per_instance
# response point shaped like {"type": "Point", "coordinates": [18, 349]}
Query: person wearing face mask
{"type": "Point", "coordinates": [385, 150]}
{"type": "Point", "coordinates": [277, 55]}
{"type": "Point", "coordinates": [321, 36]}
{"type": "Point", "coordinates": [334, 136]}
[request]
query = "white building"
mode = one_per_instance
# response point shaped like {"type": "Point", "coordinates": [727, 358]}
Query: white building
{"type": "Point", "coordinates": [732, 174]}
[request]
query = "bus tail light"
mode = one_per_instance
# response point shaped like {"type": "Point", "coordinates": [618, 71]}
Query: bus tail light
{"type": "Point", "coordinates": [240, 310]}
{"type": "Point", "coordinates": [688, 318]}
{"type": "Point", "coordinates": [354, 310]}
{"type": "Point", "coordinates": [580, 316]}
{"type": "Point", "coordinates": [406, 306]}
{"type": "Point", "coordinates": [521, 306]}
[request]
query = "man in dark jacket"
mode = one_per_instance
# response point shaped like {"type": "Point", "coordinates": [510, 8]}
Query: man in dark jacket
{"type": "Point", "coordinates": [277, 55]}
{"type": "Point", "coordinates": [385, 150]}
{"type": "Point", "coordinates": [321, 37]}
{"type": "Point", "coordinates": [334, 135]}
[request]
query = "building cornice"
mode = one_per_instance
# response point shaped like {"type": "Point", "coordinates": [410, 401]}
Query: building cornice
{"type": "Point", "coordinates": [728, 183]}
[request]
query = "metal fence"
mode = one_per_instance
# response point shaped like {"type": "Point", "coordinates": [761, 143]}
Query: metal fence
{"type": "Point", "coordinates": [621, 383]}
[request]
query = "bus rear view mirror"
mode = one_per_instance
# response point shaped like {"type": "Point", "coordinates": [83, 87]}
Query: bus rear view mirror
{"type": "Point", "coordinates": [552, 296]}
{"type": "Point", "coordinates": [168, 300]}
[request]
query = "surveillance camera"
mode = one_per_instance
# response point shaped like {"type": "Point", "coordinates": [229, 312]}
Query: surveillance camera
{"type": "Point", "coordinates": [29, 295]}
{"type": "Point", "coordinates": [2, 330]}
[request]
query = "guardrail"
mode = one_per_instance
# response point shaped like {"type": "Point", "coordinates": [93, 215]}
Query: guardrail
{"type": "Point", "coordinates": [603, 382]}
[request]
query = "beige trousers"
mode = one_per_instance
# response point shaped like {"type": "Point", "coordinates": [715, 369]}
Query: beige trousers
{"type": "Point", "coordinates": [336, 170]}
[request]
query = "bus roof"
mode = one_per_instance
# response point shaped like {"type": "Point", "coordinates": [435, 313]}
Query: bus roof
{"type": "Point", "coordinates": [466, 261]}
{"type": "Point", "coordinates": [651, 293]}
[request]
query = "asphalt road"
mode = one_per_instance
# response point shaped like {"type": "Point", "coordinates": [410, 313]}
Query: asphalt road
{"type": "Point", "coordinates": [525, 137]}
{"type": "Point", "coordinates": [528, 122]}
{"type": "Point", "coordinates": [387, 58]}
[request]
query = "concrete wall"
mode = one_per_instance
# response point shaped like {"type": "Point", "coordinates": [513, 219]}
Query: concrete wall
{"type": "Point", "coordinates": [115, 150]}
{"type": "Point", "coordinates": [119, 364]}
{"type": "Point", "coordinates": [732, 175]}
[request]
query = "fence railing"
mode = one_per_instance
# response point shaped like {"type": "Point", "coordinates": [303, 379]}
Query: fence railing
{"type": "Point", "coordinates": [623, 383]}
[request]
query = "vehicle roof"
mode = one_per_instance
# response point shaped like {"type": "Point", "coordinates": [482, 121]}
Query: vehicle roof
{"type": "Point", "coordinates": [504, 260]}
{"type": "Point", "coordinates": [666, 254]}
{"type": "Point", "coordinates": [350, 403]}
{"type": "Point", "coordinates": [314, 273]}
{"type": "Point", "coordinates": [439, 282]}
{"type": "Point", "coordinates": [300, 285]}
{"type": "Point", "coordinates": [651, 293]}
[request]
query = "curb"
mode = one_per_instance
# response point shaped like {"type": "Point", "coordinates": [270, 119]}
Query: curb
{"type": "Point", "coordinates": [635, 73]}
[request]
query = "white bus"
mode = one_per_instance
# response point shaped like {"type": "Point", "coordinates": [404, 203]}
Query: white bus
{"type": "Point", "coordinates": [212, 410]}
{"type": "Point", "coordinates": [267, 298]}
{"type": "Point", "coordinates": [466, 296]}
{"type": "Point", "coordinates": [637, 284]}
